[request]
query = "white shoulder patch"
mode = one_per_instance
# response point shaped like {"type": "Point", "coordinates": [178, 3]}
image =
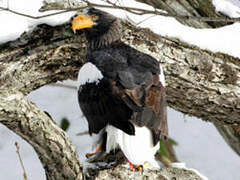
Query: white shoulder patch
{"type": "Point", "coordinates": [89, 73]}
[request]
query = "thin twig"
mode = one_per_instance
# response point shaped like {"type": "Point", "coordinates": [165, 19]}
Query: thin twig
{"type": "Point", "coordinates": [63, 86]}
{"type": "Point", "coordinates": [144, 20]}
{"type": "Point", "coordinates": [82, 133]}
{"type": "Point", "coordinates": [138, 11]}
{"type": "Point", "coordinates": [163, 160]}
{"type": "Point", "coordinates": [19, 156]}
{"type": "Point", "coordinates": [39, 17]}
{"type": "Point", "coordinates": [8, 4]}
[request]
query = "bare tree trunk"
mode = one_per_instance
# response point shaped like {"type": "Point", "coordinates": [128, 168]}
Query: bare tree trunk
{"type": "Point", "coordinates": [199, 83]}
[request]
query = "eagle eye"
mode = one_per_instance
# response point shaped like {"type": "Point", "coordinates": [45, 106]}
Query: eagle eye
{"type": "Point", "coordinates": [94, 17]}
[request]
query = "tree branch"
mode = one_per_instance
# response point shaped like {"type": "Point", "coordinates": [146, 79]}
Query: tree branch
{"type": "Point", "coordinates": [138, 11]}
{"type": "Point", "coordinates": [21, 161]}
{"type": "Point", "coordinates": [34, 17]}
{"type": "Point", "coordinates": [199, 8]}
{"type": "Point", "coordinates": [199, 82]}
{"type": "Point", "coordinates": [164, 174]}
{"type": "Point", "coordinates": [50, 54]}
{"type": "Point", "coordinates": [231, 134]}
{"type": "Point", "coordinates": [45, 55]}
{"type": "Point", "coordinates": [54, 149]}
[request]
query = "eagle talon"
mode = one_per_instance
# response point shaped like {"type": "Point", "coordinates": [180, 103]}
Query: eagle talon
{"type": "Point", "coordinates": [98, 151]}
{"type": "Point", "coordinates": [139, 168]}
{"type": "Point", "coordinates": [88, 155]}
{"type": "Point", "coordinates": [97, 157]}
{"type": "Point", "coordinates": [131, 167]}
{"type": "Point", "coordinates": [134, 168]}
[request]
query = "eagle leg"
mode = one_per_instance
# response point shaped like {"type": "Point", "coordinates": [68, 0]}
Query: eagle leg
{"type": "Point", "coordinates": [93, 157]}
{"type": "Point", "coordinates": [99, 149]}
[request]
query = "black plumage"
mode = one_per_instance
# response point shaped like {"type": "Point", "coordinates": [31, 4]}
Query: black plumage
{"type": "Point", "coordinates": [101, 107]}
{"type": "Point", "coordinates": [130, 91]}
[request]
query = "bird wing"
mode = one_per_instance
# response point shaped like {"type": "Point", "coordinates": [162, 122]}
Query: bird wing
{"type": "Point", "coordinates": [148, 102]}
{"type": "Point", "coordinates": [134, 78]}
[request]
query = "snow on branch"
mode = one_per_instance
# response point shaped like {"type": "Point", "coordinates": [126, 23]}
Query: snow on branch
{"type": "Point", "coordinates": [67, 6]}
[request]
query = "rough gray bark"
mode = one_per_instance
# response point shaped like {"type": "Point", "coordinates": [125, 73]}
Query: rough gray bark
{"type": "Point", "coordinates": [199, 8]}
{"type": "Point", "coordinates": [231, 134]}
{"type": "Point", "coordinates": [120, 173]}
{"type": "Point", "coordinates": [52, 145]}
{"type": "Point", "coordinates": [46, 55]}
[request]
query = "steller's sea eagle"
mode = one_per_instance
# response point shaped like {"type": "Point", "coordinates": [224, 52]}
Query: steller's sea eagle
{"type": "Point", "coordinates": [121, 91]}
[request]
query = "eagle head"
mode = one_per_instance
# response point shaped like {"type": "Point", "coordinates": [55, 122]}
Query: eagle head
{"type": "Point", "coordinates": [101, 28]}
{"type": "Point", "coordinates": [94, 19]}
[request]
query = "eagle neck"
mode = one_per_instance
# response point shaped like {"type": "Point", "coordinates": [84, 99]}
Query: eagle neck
{"type": "Point", "coordinates": [104, 37]}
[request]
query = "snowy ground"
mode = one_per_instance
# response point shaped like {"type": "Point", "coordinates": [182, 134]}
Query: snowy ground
{"type": "Point", "coordinates": [200, 145]}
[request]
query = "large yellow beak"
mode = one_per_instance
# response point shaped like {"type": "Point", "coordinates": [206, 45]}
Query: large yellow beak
{"type": "Point", "coordinates": [81, 22]}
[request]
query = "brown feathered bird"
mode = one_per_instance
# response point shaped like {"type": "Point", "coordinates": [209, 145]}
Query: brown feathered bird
{"type": "Point", "coordinates": [120, 92]}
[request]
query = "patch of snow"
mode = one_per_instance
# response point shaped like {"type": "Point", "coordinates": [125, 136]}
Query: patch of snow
{"type": "Point", "coordinates": [162, 76]}
{"type": "Point", "coordinates": [204, 38]}
{"type": "Point", "coordinates": [11, 28]}
{"type": "Point", "coordinates": [14, 25]}
{"type": "Point", "coordinates": [228, 8]}
{"type": "Point", "coordinates": [178, 165]}
{"type": "Point", "coordinates": [201, 147]}
{"type": "Point", "coordinates": [182, 165]}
